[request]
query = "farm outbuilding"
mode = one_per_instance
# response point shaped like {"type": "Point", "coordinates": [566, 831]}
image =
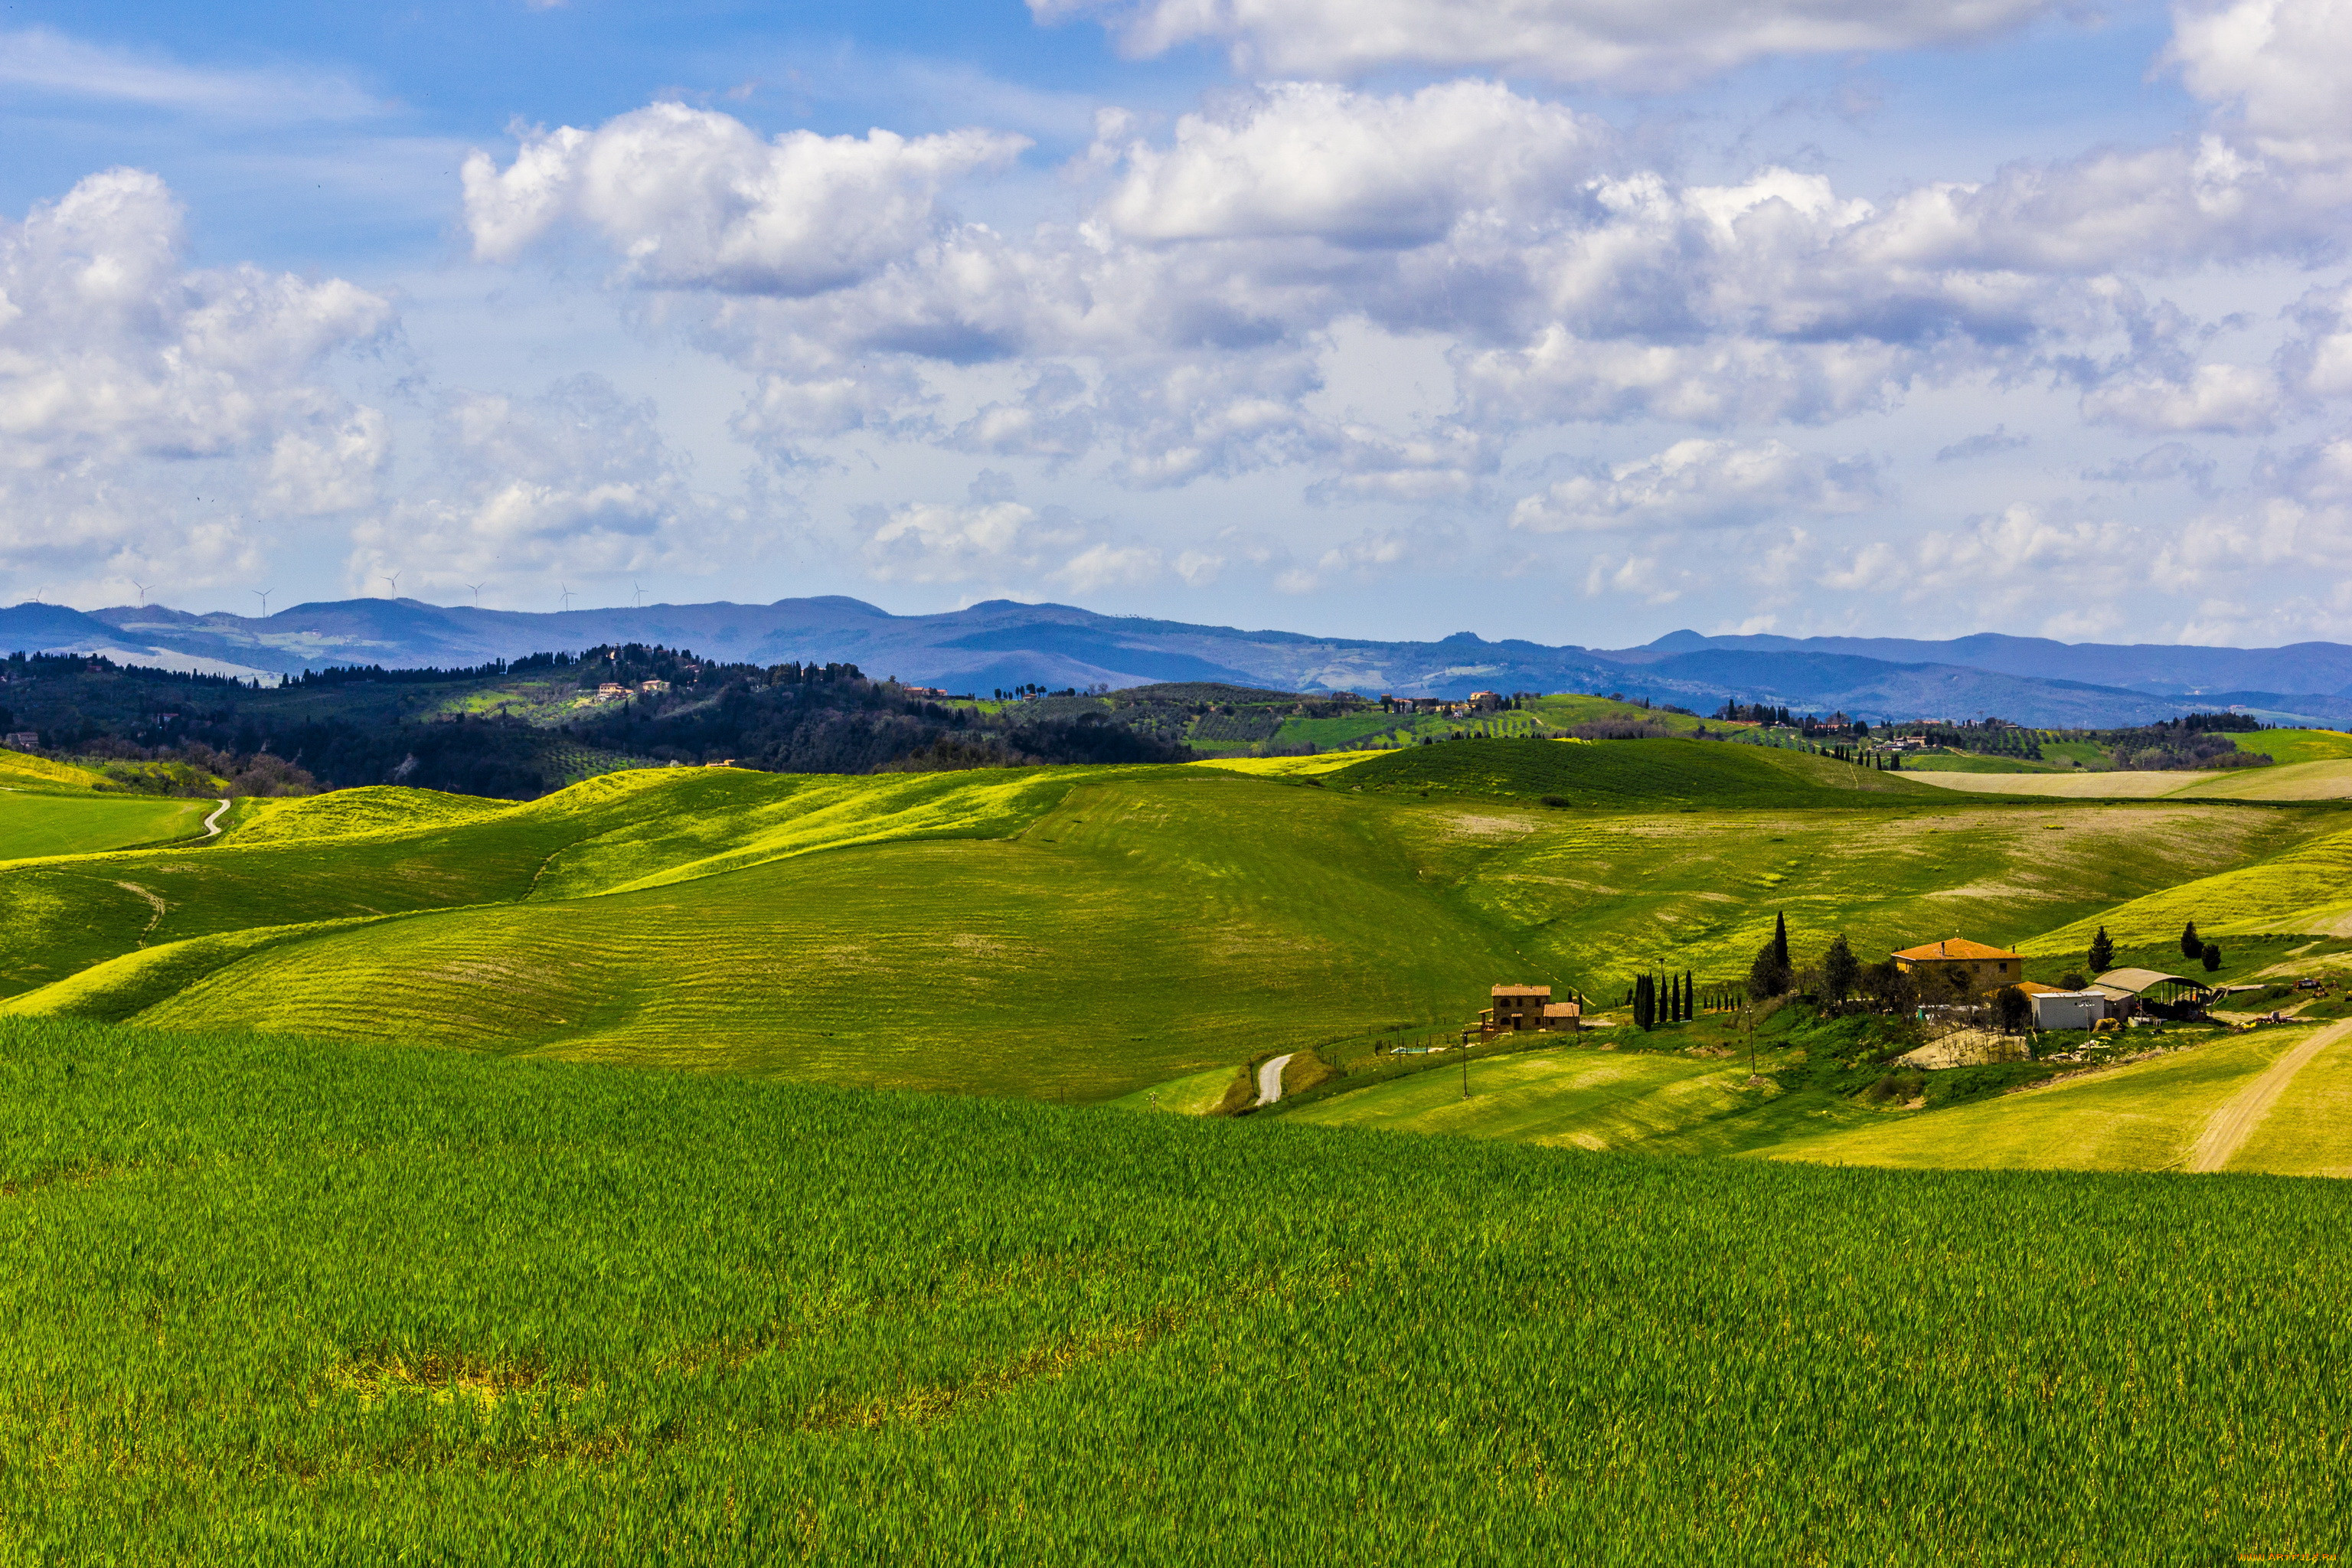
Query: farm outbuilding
{"type": "Point", "coordinates": [2130, 991]}
{"type": "Point", "coordinates": [2055, 1009]}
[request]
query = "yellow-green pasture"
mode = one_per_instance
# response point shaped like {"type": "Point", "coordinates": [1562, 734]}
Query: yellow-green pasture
{"type": "Point", "coordinates": [2288, 746]}
{"type": "Point", "coordinates": [44, 824]}
{"type": "Point", "coordinates": [1079, 931]}
{"type": "Point", "coordinates": [1580, 1096]}
{"type": "Point", "coordinates": [2146, 1116]}
{"type": "Point", "coordinates": [24, 771]}
{"type": "Point", "coordinates": [2306, 887]}
{"type": "Point", "coordinates": [2319, 779]}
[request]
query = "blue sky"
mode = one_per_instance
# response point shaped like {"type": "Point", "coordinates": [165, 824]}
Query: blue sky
{"type": "Point", "coordinates": [1553, 318]}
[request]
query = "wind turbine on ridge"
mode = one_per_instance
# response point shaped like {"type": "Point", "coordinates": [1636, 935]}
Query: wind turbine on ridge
{"type": "Point", "coordinates": [394, 580]}
{"type": "Point", "coordinates": [564, 589]}
{"type": "Point", "coordinates": [142, 592]}
{"type": "Point", "coordinates": [477, 588]}
{"type": "Point", "coordinates": [263, 594]}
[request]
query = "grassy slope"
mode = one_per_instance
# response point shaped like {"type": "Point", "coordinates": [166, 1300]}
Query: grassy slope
{"type": "Point", "coordinates": [2286, 746]}
{"type": "Point", "coordinates": [1052, 931]}
{"type": "Point", "coordinates": [1581, 1098]}
{"type": "Point", "coordinates": [2144, 1117]}
{"type": "Point", "coordinates": [388, 851]}
{"type": "Point", "coordinates": [43, 825]}
{"type": "Point", "coordinates": [2063, 784]}
{"type": "Point", "coordinates": [2305, 888]}
{"type": "Point", "coordinates": [2320, 779]}
{"type": "Point", "coordinates": [1079, 931]}
{"type": "Point", "coordinates": [2309, 1131]}
{"type": "Point", "coordinates": [1632, 775]}
{"type": "Point", "coordinates": [276, 1302]}
{"type": "Point", "coordinates": [22, 770]}
{"type": "Point", "coordinates": [1954, 763]}
{"type": "Point", "coordinates": [2327, 779]}
{"type": "Point", "coordinates": [1128, 935]}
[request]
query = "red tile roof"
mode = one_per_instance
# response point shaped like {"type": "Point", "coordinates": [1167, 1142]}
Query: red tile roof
{"type": "Point", "coordinates": [1954, 947]}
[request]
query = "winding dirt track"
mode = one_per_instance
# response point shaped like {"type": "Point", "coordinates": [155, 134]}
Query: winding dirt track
{"type": "Point", "coordinates": [2227, 1129]}
{"type": "Point", "coordinates": [1269, 1080]}
{"type": "Point", "coordinates": [212, 823]}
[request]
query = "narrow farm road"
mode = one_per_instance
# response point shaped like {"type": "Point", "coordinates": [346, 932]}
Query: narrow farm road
{"type": "Point", "coordinates": [2227, 1130]}
{"type": "Point", "coordinates": [1269, 1079]}
{"type": "Point", "coordinates": [212, 823]}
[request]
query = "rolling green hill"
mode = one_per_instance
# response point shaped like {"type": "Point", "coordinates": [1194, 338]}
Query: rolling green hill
{"type": "Point", "coordinates": [2307, 887]}
{"type": "Point", "coordinates": [2289, 746]}
{"type": "Point", "coordinates": [42, 824]}
{"type": "Point", "coordinates": [280, 1301]}
{"type": "Point", "coordinates": [1633, 774]}
{"type": "Point", "coordinates": [1054, 932]}
{"type": "Point", "coordinates": [2147, 1116]}
{"type": "Point", "coordinates": [2321, 779]}
{"type": "Point", "coordinates": [22, 770]}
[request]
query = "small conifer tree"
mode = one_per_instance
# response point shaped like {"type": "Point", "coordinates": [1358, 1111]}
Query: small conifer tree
{"type": "Point", "coordinates": [2102, 952]}
{"type": "Point", "coordinates": [2191, 944]}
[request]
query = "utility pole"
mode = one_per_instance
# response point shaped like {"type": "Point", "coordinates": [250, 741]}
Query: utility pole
{"type": "Point", "coordinates": [1466, 1069]}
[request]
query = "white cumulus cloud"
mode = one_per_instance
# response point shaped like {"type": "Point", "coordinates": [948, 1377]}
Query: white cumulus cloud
{"type": "Point", "coordinates": [694, 199]}
{"type": "Point", "coordinates": [1598, 41]}
{"type": "Point", "coordinates": [1701, 483]}
{"type": "Point", "coordinates": [149, 409]}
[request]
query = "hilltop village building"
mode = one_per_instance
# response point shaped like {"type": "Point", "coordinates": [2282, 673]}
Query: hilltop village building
{"type": "Point", "coordinates": [1988, 968]}
{"type": "Point", "coordinates": [1521, 1007]}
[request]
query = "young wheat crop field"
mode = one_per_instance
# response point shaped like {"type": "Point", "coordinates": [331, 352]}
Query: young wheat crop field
{"type": "Point", "coordinates": [274, 1300]}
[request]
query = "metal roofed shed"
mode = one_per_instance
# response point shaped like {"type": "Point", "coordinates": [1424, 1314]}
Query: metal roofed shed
{"type": "Point", "coordinates": [2128, 989]}
{"type": "Point", "coordinates": [2055, 1009]}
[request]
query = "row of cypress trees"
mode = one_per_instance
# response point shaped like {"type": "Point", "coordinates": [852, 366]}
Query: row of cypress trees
{"type": "Point", "coordinates": [1678, 1005]}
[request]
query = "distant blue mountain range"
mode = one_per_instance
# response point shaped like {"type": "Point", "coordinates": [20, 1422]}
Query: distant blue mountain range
{"type": "Point", "coordinates": [2030, 680]}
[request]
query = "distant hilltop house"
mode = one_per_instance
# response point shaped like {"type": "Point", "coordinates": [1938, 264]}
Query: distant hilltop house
{"type": "Point", "coordinates": [21, 740]}
{"type": "Point", "coordinates": [607, 691]}
{"type": "Point", "coordinates": [1521, 1007]}
{"type": "Point", "coordinates": [924, 691]}
{"type": "Point", "coordinates": [650, 687]}
{"type": "Point", "coordinates": [1989, 967]}
{"type": "Point", "coordinates": [1476, 702]}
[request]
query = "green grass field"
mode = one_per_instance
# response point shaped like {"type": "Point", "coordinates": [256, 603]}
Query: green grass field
{"type": "Point", "coordinates": [33, 825]}
{"type": "Point", "coordinates": [2288, 746]}
{"type": "Point", "coordinates": [22, 770]}
{"type": "Point", "coordinates": [275, 1301]}
{"type": "Point", "coordinates": [1965, 763]}
{"type": "Point", "coordinates": [1577, 1097]}
{"type": "Point", "coordinates": [1067, 932]}
{"type": "Point", "coordinates": [1648, 774]}
{"type": "Point", "coordinates": [2143, 1117]}
{"type": "Point", "coordinates": [2308, 889]}
{"type": "Point", "coordinates": [2318, 779]}
{"type": "Point", "coordinates": [2326, 779]}
{"type": "Point", "coordinates": [2067, 784]}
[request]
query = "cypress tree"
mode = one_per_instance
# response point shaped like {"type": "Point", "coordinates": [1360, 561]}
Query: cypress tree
{"type": "Point", "coordinates": [2102, 952]}
{"type": "Point", "coordinates": [2191, 944]}
{"type": "Point", "coordinates": [1781, 940]}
